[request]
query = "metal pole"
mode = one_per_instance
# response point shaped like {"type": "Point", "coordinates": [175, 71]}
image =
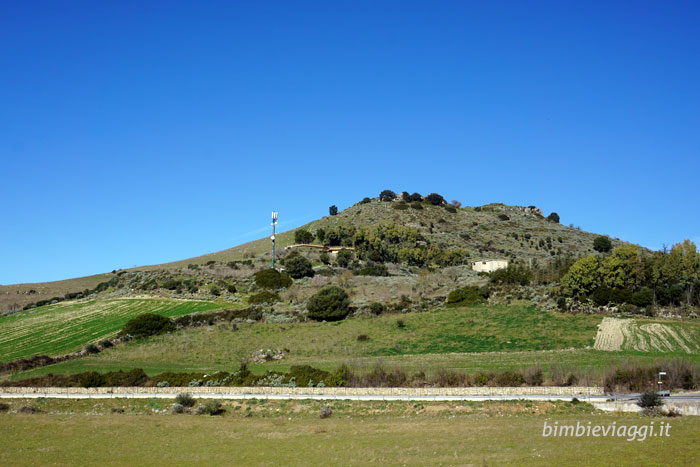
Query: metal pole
{"type": "Point", "coordinates": [274, 224]}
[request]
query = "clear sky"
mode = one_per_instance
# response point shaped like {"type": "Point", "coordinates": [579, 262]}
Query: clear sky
{"type": "Point", "coordinates": [136, 133]}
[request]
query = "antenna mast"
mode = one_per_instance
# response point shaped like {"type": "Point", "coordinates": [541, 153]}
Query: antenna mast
{"type": "Point", "coordinates": [272, 237]}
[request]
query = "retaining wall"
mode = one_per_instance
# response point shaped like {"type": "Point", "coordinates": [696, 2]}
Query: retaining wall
{"type": "Point", "coordinates": [572, 391]}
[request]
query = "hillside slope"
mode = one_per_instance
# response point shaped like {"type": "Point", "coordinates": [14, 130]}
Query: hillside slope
{"type": "Point", "coordinates": [484, 232]}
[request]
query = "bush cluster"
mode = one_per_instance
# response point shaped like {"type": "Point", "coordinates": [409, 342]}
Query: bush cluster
{"type": "Point", "coordinates": [470, 295]}
{"type": "Point", "coordinates": [328, 304]}
{"type": "Point", "coordinates": [303, 236]}
{"type": "Point", "coordinates": [513, 274]}
{"type": "Point", "coordinates": [147, 324]}
{"type": "Point", "coordinates": [264, 297]}
{"type": "Point", "coordinates": [272, 279]}
{"type": "Point", "coordinates": [298, 266]}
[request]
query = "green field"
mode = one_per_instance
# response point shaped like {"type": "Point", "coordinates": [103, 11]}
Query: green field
{"type": "Point", "coordinates": [67, 327]}
{"type": "Point", "coordinates": [252, 432]}
{"type": "Point", "coordinates": [450, 335]}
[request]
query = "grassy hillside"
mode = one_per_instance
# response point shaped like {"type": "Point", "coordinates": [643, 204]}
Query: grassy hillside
{"type": "Point", "coordinates": [66, 327]}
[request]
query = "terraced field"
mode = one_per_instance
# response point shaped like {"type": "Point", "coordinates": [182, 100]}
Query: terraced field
{"type": "Point", "coordinates": [66, 327]}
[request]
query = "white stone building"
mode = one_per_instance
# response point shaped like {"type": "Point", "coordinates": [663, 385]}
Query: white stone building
{"type": "Point", "coordinates": [489, 265]}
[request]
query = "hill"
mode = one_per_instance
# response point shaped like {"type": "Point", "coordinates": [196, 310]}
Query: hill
{"type": "Point", "coordinates": [479, 232]}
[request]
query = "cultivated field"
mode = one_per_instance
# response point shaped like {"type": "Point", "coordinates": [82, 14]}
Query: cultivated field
{"type": "Point", "coordinates": [66, 327]}
{"type": "Point", "coordinates": [648, 335]}
{"type": "Point", "coordinates": [357, 433]}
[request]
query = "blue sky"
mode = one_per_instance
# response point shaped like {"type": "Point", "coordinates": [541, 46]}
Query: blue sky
{"type": "Point", "coordinates": [143, 132]}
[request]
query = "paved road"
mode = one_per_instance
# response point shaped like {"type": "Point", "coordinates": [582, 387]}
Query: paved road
{"type": "Point", "coordinates": [534, 397]}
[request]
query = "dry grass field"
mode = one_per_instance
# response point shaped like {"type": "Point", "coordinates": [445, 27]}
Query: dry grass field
{"type": "Point", "coordinates": [357, 433]}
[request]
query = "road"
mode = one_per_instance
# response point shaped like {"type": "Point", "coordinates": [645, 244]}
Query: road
{"type": "Point", "coordinates": [684, 398]}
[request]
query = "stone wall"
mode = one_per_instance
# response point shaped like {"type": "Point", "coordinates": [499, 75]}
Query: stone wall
{"type": "Point", "coordinates": [571, 391]}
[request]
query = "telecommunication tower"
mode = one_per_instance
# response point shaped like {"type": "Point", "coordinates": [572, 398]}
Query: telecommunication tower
{"type": "Point", "coordinates": [272, 237]}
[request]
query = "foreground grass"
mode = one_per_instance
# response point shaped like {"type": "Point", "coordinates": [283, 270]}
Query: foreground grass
{"type": "Point", "coordinates": [358, 433]}
{"type": "Point", "coordinates": [66, 327]}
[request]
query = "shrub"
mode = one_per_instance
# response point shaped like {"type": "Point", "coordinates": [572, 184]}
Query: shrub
{"type": "Point", "coordinates": [416, 205]}
{"type": "Point", "coordinates": [508, 379]}
{"type": "Point", "coordinates": [177, 408]}
{"type": "Point", "coordinates": [643, 297]}
{"type": "Point", "coordinates": [147, 324]}
{"type": "Point", "coordinates": [376, 308]}
{"type": "Point", "coordinates": [307, 376]}
{"type": "Point", "coordinates": [561, 303]}
{"type": "Point", "coordinates": [91, 379]}
{"type": "Point", "coordinates": [4, 407]}
{"type": "Point", "coordinates": [333, 210]}
{"type": "Point", "coordinates": [211, 407]}
{"type": "Point", "coordinates": [553, 217]}
{"type": "Point", "coordinates": [400, 324]}
{"type": "Point", "coordinates": [320, 234]}
{"type": "Point", "coordinates": [650, 400]}
{"type": "Point", "coordinates": [272, 279]}
{"type": "Point", "coordinates": [185, 399]}
{"type": "Point", "coordinates": [602, 244]}
{"type": "Point", "coordinates": [513, 274]}
{"type": "Point", "coordinates": [387, 195]}
{"type": "Point", "coordinates": [325, 411]}
{"type": "Point", "coordinates": [470, 295]}
{"type": "Point", "coordinates": [264, 297]}
{"type": "Point", "coordinates": [401, 206]}
{"type": "Point", "coordinates": [374, 269]}
{"type": "Point", "coordinates": [215, 290]}
{"type": "Point", "coordinates": [297, 266]}
{"type": "Point", "coordinates": [435, 199]}
{"type": "Point", "coordinates": [135, 377]}
{"type": "Point", "coordinates": [365, 200]}
{"type": "Point", "coordinates": [503, 217]}
{"type": "Point", "coordinates": [325, 257]}
{"type": "Point", "coordinates": [344, 257]}
{"type": "Point", "coordinates": [450, 208]}
{"type": "Point", "coordinates": [303, 236]}
{"type": "Point", "coordinates": [533, 376]}
{"type": "Point", "coordinates": [602, 296]}
{"type": "Point", "coordinates": [362, 338]}
{"type": "Point", "coordinates": [91, 349]}
{"type": "Point", "coordinates": [330, 304]}
{"type": "Point", "coordinates": [405, 196]}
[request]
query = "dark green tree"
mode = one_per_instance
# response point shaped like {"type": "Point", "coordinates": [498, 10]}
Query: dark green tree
{"type": "Point", "coordinates": [435, 199]}
{"type": "Point", "coordinates": [329, 304]}
{"type": "Point", "coordinates": [387, 195]}
{"type": "Point", "coordinates": [602, 244]}
{"type": "Point", "coordinates": [344, 257]}
{"type": "Point", "coordinates": [553, 217]}
{"type": "Point", "coordinates": [333, 210]}
{"type": "Point", "coordinates": [297, 266]}
{"type": "Point", "coordinates": [303, 236]}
